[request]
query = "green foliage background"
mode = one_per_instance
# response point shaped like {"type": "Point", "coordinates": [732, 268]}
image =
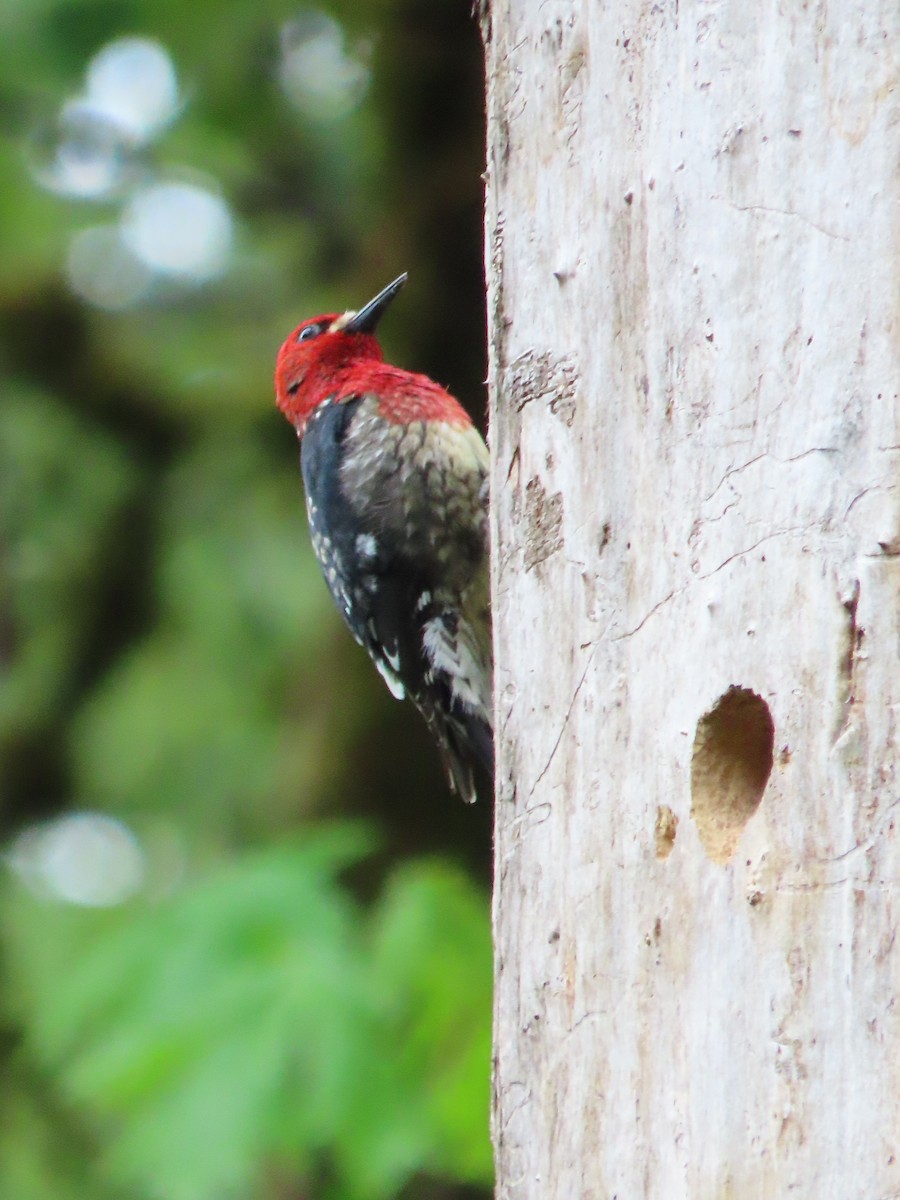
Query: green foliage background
{"type": "Point", "coordinates": [296, 1002]}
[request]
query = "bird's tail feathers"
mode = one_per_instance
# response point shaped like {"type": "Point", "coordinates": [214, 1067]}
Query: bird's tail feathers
{"type": "Point", "coordinates": [466, 747]}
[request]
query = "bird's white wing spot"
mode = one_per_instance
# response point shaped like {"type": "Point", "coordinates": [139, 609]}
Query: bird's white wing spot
{"type": "Point", "coordinates": [395, 687]}
{"type": "Point", "coordinates": [456, 656]}
{"type": "Point", "coordinates": [366, 546]}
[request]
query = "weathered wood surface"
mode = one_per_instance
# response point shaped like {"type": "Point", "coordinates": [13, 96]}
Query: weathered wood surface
{"type": "Point", "coordinates": [693, 249]}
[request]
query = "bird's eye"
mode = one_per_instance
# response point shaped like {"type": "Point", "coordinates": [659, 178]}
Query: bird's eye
{"type": "Point", "coordinates": [310, 331]}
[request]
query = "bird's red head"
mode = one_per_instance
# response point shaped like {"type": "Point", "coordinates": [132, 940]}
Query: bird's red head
{"type": "Point", "coordinates": [323, 353]}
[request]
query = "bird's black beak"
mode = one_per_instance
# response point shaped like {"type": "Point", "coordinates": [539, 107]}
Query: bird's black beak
{"type": "Point", "coordinates": [366, 320]}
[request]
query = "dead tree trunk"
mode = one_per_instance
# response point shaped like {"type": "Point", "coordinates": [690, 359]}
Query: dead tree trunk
{"type": "Point", "coordinates": [693, 245]}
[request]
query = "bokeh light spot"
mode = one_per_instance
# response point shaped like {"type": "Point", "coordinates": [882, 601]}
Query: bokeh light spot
{"type": "Point", "coordinates": [316, 71]}
{"type": "Point", "coordinates": [102, 270]}
{"type": "Point", "coordinates": [132, 82]}
{"type": "Point", "coordinates": [82, 155]}
{"type": "Point", "coordinates": [84, 858]}
{"type": "Point", "coordinates": [88, 151]}
{"type": "Point", "coordinates": [179, 229]}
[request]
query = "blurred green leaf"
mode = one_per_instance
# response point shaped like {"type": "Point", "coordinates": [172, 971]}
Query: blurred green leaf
{"type": "Point", "coordinates": [246, 1019]}
{"type": "Point", "coordinates": [432, 947]}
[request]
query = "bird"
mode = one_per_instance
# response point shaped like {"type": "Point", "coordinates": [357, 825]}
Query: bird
{"type": "Point", "coordinates": [396, 482]}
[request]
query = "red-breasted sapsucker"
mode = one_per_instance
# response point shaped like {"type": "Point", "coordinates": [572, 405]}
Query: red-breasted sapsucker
{"type": "Point", "coordinates": [396, 494]}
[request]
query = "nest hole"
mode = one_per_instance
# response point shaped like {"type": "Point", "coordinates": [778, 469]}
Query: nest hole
{"type": "Point", "coordinates": [731, 764]}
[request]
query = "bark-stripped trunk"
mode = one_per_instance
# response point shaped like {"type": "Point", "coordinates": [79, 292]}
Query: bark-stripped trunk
{"type": "Point", "coordinates": [693, 249]}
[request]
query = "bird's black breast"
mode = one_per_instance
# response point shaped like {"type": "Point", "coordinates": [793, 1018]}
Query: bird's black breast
{"type": "Point", "coordinates": [320, 455]}
{"type": "Point", "coordinates": [334, 526]}
{"type": "Point", "coordinates": [370, 578]}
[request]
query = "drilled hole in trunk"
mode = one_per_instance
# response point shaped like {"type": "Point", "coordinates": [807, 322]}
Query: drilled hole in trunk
{"type": "Point", "coordinates": [730, 768]}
